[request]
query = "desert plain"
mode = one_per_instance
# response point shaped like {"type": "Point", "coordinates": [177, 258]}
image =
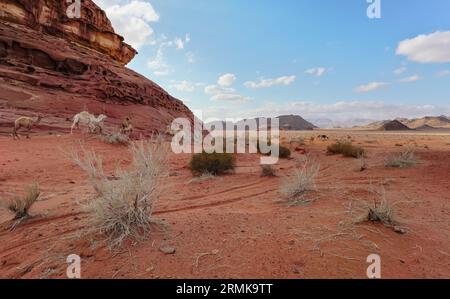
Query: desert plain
{"type": "Point", "coordinates": [234, 225]}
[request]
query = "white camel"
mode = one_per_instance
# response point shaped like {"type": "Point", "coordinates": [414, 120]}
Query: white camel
{"type": "Point", "coordinates": [90, 120]}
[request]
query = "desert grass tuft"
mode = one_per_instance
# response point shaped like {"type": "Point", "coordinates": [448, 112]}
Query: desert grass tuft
{"type": "Point", "coordinates": [20, 206]}
{"type": "Point", "coordinates": [298, 188]}
{"type": "Point", "coordinates": [404, 159]}
{"type": "Point", "coordinates": [268, 170]}
{"type": "Point", "coordinates": [123, 208]}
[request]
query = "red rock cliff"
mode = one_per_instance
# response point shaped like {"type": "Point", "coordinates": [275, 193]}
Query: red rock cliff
{"type": "Point", "coordinates": [57, 66]}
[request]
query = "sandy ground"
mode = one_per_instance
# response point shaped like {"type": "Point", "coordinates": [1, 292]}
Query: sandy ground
{"type": "Point", "coordinates": [232, 226]}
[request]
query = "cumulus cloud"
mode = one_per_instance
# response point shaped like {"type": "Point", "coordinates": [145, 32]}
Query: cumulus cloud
{"type": "Point", "coordinates": [214, 89]}
{"type": "Point", "coordinates": [158, 64]}
{"type": "Point", "coordinates": [411, 79]}
{"type": "Point", "coordinates": [230, 98]}
{"type": "Point", "coordinates": [431, 48]}
{"type": "Point", "coordinates": [370, 87]}
{"type": "Point", "coordinates": [443, 73]}
{"type": "Point", "coordinates": [265, 83]}
{"type": "Point", "coordinates": [317, 72]}
{"type": "Point", "coordinates": [131, 19]}
{"type": "Point", "coordinates": [226, 80]}
{"type": "Point", "coordinates": [184, 86]}
{"type": "Point", "coordinates": [399, 71]}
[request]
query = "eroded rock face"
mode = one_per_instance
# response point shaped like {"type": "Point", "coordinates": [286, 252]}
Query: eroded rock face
{"type": "Point", "coordinates": [57, 67]}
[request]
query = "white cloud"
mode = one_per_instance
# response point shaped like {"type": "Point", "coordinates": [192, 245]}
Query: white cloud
{"type": "Point", "coordinates": [158, 64]}
{"type": "Point", "coordinates": [339, 111]}
{"type": "Point", "coordinates": [443, 73]}
{"type": "Point", "coordinates": [317, 72]}
{"type": "Point", "coordinates": [370, 87]}
{"type": "Point", "coordinates": [230, 98]}
{"type": "Point", "coordinates": [131, 19]}
{"type": "Point", "coordinates": [226, 80]}
{"type": "Point", "coordinates": [184, 86]}
{"type": "Point", "coordinates": [431, 48]}
{"type": "Point", "coordinates": [265, 83]}
{"type": "Point", "coordinates": [214, 89]}
{"type": "Point", "coordinates": [411, 79]}
{"type": "Point", "coordinates": [399, 71]}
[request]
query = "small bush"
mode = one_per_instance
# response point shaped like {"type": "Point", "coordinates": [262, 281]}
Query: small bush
{"type": "Point", "coordinates": [268, 170]}
{"type": "Point", "coordinates": [21, 205]}
{"type": "Point", "coordinates": [285, 153]}
{"type": "Point", "coordinates": [304, 181]}
{"type": "Point", "coordinates": [212, 163]}
{"type": "Point", "coordinates": [362, 163]}
{"type": "Point", "coordinates": [402, 160]}
{"type": "Point", "coordinates": [117, 138]}
{"type": "Point", "coordinates": [346, 148]}
{"type": "Point", "coordinates": [123, 207]}
{"type": "Point", "coordinates": [380, 211]}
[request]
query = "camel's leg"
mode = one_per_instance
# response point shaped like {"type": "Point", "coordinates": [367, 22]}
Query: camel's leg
{"type": "Point", "coordinates": [75, 123]}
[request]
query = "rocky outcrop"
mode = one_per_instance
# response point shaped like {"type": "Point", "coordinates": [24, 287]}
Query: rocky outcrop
{"type": "Point", "coordinates": [394, 125]}
{"type": "Point", "coordinates": [57, 66]}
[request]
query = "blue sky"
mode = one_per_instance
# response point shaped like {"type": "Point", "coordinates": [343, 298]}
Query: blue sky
{"type": "Point", "coordinates": [322, 59]}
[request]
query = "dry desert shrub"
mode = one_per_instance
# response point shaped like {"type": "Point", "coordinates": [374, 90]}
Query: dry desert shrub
{"type": "Point", "coordinates": [284, 152]}
{"type": "Point", "coordinates": [362, 163]}
{"type": "Point", "coordinates": [404, 159]}
{"type": "Point", "coordinates": [21, 205]}
{"type": "Point", "coordinates": [123, 207]}
{"type": "Point", "coordinates": [297, 188]}
{"type": "Point", "coordinates": [116, 139]}
{"type": "Point", "coordinates": [379, 211]}
{"type": "Point", "coordinates": [268, 170]}
{"type": "Point", "coordinates": [346, 148]}
{"type": "Point", "coordinates": [212, 163]}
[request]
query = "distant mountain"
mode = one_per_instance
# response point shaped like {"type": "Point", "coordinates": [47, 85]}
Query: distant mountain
{"type": "Point", "coordinates": [287, 122]}
{"type": "Point", "coordinates": [295, 123]}
{"type": "Point", "coordinates": [394, 125]}
{"type": "Point", "coordinates": [437, 122]}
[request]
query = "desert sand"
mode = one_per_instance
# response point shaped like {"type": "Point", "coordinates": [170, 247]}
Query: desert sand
{"type": "Point", "coordinates": [232, 226]}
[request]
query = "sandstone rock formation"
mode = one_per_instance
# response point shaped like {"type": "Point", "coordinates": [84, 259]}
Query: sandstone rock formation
{"type": "Point", "coordinates": [57, 66]}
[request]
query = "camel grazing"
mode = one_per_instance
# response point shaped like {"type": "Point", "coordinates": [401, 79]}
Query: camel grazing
{"type": "Point", "coordinates": [127, 126]}
{"type": "Point", "coordinates": [25, 122]}
{"type": "Point", "coordinates": [92, 122]}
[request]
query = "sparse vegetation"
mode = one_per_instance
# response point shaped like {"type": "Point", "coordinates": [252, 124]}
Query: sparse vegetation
{"type": "Point", "coordinates": [346, 148]}
{"type": "Point", "coordinates": [123, 208]}
{"type": "Point", "coordinates": [362, 163]}
{"type": "Point", "coordinates": [303, 182]}
{"type": "Point", "coordinates": [380, 211]}
{"type": "Point", "coordinates": [212, 163]}
{"type": "Point", "coordinates": [116, 138]}
{"type": "Point", "coordinates": [404, 159]}
{"type": "Point", "coordinates": [21, 205]}
{"type": "Point", "coordinates": [268, 170]}
{"type": "Point", "coordinates": [285, 153]}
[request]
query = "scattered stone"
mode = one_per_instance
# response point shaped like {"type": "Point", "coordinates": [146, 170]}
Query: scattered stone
{"type": "Point", "coordinates": [399, 230]}
{"type": "Point", "coordinates": [167, 249]}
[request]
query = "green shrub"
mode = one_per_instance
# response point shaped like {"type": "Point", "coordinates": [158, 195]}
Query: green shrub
{"type": "Point", "coordinates": [214, 163]}
{"type": "Point", "coordinates": [346, 148]}
{"type": "Point", "coordinates": [284, 152]}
